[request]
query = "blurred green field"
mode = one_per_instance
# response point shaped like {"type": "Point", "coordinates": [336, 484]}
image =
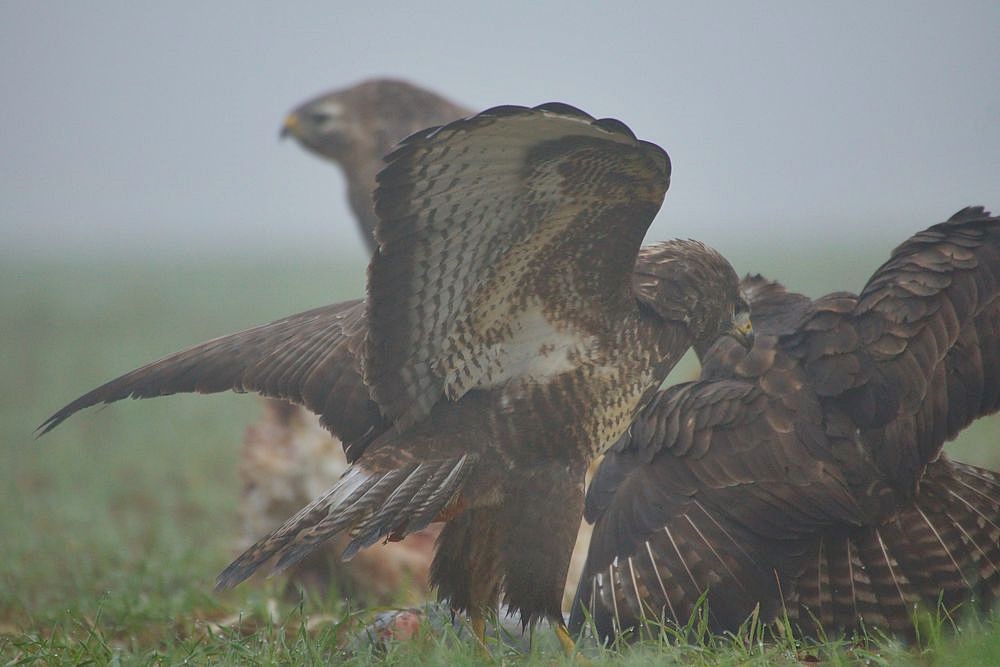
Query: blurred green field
{"type": "Point", "coordinates": [114, 526]}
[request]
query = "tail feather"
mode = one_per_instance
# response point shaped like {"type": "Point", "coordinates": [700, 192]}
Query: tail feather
{"type": "Point", "coordinates": [372, 506]}
{"type": "Point", "coordinates": [832, 564]}
{"type": "Point", "coordinates": [340, 517]}
{"type": "Point", "coordinates": [849, 581]}
{"type": "Point", "coordinates": [665, 580]}
{"type": "Point", "coordinates": [379, 524]}
{"type": "Point", "coordinates": [891, 599]}
{"type": "Point", "coordinates": [975, 508]}
{"type": "Point", "coordinates": [943, 549]}
{"type": "Point", "coordinates": [434, 492]}
{"type": "Point", "coordinates": [394, 519]}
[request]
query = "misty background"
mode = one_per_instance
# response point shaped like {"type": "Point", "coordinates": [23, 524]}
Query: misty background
{"type": "Point", "coordinates": [152, 128]}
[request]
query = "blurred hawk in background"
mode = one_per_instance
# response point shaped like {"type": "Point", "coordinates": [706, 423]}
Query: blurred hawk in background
{"type": "Point", "coordinates": [356, 127]}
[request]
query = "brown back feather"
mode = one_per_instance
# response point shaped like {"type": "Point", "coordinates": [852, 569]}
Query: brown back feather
{"type": "Point", "coordinates": [767, 452]}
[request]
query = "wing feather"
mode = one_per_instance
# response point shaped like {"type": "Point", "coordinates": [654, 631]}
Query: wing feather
{"type": "Point", "coordinates": [762, 498]}
{"type": "Point", "coordinates": [311, 359]}
{"type": "Point", "coordinates": [768, 446]}
{"type": "Point", "coordinates": [509, 212]}
{"type": "Point", "coordinates": [930, 320]}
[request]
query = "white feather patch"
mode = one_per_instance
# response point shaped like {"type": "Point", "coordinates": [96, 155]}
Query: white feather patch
{"type": "Point", "coordinates": [533, 350]}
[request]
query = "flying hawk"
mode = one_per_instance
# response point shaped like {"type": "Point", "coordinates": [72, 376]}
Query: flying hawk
{"type": "Point", "coordinates": [807, 476]}
{"type": "Point", "coordinates": [512, 330]}
{"type": "Point", "coordinates": [355, 126]}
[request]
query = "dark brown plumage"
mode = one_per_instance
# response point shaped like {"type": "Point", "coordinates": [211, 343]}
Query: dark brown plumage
{"type": "Point", "coordinates": [355, 126]}
{"type": "Point", "coordinates": [511, 332]}
{"type": "Point", "coordinates": [807, 475]}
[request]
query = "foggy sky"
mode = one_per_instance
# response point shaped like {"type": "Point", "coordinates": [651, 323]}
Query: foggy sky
{"type": "Point", "coordinates": [153, 127]}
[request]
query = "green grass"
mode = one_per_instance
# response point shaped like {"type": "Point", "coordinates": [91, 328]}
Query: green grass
{"type": "Point", "coordinates": [113, 527]}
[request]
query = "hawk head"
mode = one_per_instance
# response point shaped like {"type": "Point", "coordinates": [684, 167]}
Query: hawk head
{"type": "Point", "coordinates": [366, 119]}
{"type": "Point", "coordinates": [687, 281]}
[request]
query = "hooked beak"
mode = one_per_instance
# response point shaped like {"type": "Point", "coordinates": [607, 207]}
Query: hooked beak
{"type": "Point", "coordinates": [291, 126]}
{"type": "Point", "coordinates": [742, 330]}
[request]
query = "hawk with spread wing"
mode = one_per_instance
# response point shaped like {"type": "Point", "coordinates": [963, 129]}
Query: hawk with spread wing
{"type": "Point", "coordinates": [512, 330]}
{"type": "Point", "coordinates": [807, 476]}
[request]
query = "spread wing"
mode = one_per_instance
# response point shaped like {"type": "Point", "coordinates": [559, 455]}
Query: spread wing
{"type": "Point", "coordinates": [312, 359]}
{"type": "Point", "coordinates": [926, 357]}
{"type": "Point", "coordinates": [500, 235]}
{"type": "Point", "coordinates": [718, 485]}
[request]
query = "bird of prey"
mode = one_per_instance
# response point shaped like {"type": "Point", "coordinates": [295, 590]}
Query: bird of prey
{"type": "Point", "coordinates": [511, 332]}
{"type": "Point", "coordinates": [356, 126]}
{"type": "Point", "coordinates": [807, 476]}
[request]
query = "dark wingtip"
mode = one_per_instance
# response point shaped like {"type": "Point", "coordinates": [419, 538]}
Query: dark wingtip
{"type": "Point", "coordinates": [249, 562]}
{"type": "Point", "coordinates": [88, 400]}
{"type": "Point", "coordinates": [234, 574]}
{"type": "Point", "coordinates": [53, 421]}
{"type": "Point", "coordinates": [564, 109]}
{"type": "Point", "coordinates": [970, 213]}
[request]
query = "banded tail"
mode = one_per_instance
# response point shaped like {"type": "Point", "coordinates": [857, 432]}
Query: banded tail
{"type": "Point", "coordinates": [371, 506]}
{"type": "Point", "coordinates": [943, 549]}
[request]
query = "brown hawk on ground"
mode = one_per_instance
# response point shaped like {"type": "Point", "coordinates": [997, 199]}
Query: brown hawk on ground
{"type": "Point", "coordinates": [807, 476]}
{"type": "Point", "coordinates": [512, 331]}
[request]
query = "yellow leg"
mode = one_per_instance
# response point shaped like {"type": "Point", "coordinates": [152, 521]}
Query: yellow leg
{"type": "Point", "coordinates": [568, 645]}
{"type": "Point", "coordinates": [478, 623]}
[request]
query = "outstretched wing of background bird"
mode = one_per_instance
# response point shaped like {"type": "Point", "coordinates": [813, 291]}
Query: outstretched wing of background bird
{"type": "Point", "coordinates": [757, 486]}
